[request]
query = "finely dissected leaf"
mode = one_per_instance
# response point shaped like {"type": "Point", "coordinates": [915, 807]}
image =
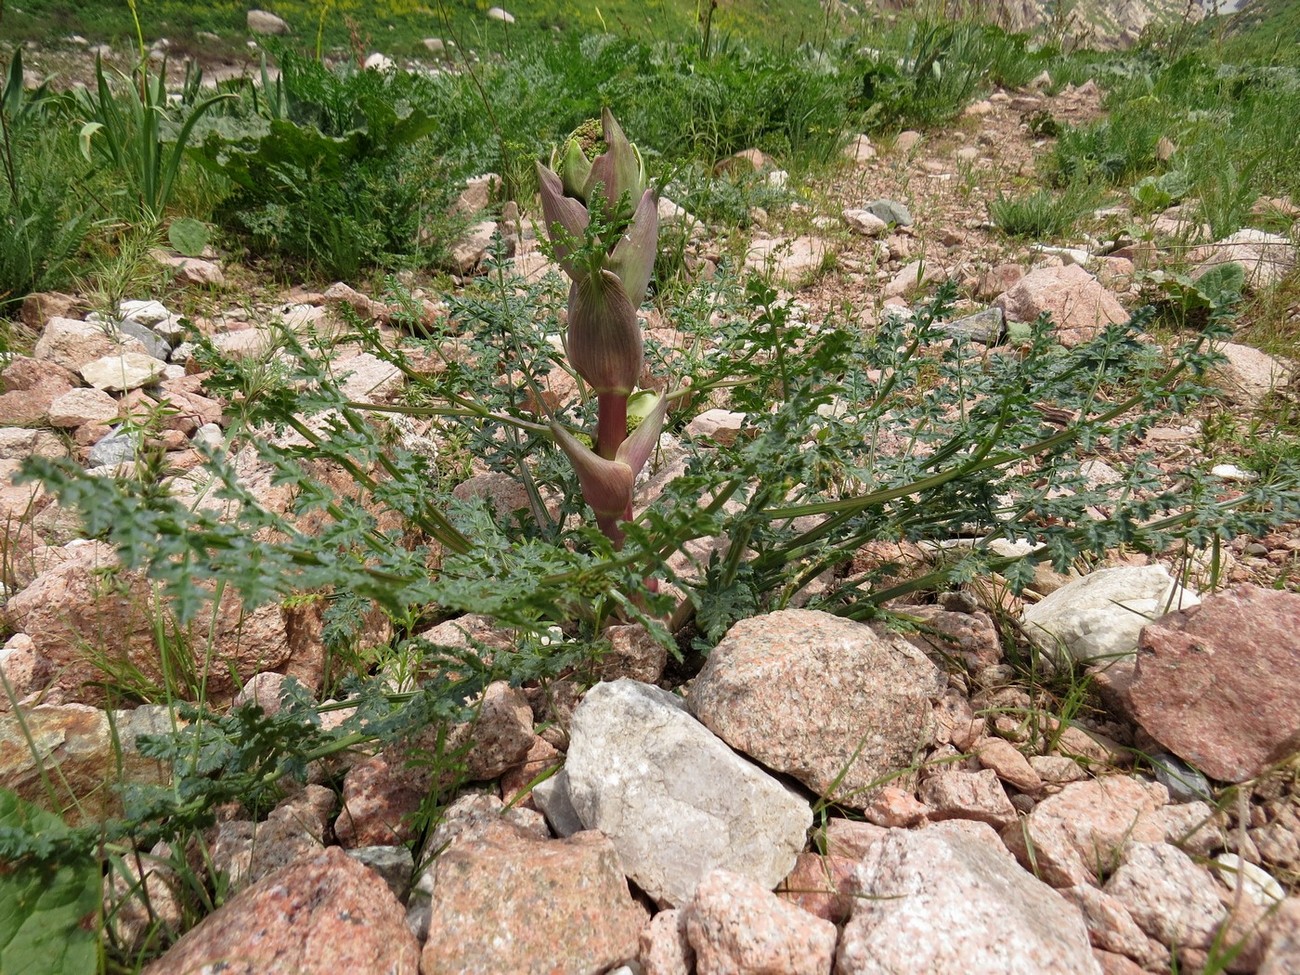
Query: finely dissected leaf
{"type": "Point", "coordinates": [47, 912]}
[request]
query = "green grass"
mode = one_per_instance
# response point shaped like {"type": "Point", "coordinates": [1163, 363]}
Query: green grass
{"type": "Point", "coordinates": [399, 26]}
{"type": "Point", "coordinates": [1044, 214]}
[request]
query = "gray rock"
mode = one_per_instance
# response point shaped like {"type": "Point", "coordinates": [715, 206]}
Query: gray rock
{"type": "Point", "coordinates": [1184, 783]}
{"type": "Point", "coordinates": [394, 863]}
{"type": "Point", "coordinates": [497, 13]}
{"type": "Point", "coordinates": [552, 798]}
{"type": "Point", "coordinates": [116, 448]}
{"type": "Point", "coordinates": [674, 799]}
{"type": "Point", "coordinates": [823, 699]}
{"type": "Point", "coordinates": [262, 22]}
{"type": "Point", "coordinates": [152, 342]}
{"type": "Point", "coordinates": [984, 326]}
{"type": "Point", "coordinates": [1100, 616]}
{"type": "Point", "coordinates": [890, 211]}
{"type": "Point", "coordinates": [950, 900]}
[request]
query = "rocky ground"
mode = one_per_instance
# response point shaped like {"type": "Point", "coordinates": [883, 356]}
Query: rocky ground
{"type": "Point", "coordinates": [977, 825]}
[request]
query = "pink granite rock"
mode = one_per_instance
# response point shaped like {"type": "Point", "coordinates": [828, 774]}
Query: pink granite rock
{"type": "Point", "coordinates": [78, 406]}
{"type": "Point", "coordinates": [977, 796]}
{"type": "Point", "coordinates": [379, 797]}
{"type": "Point", "coordinates": [892, 807]}
{"type": "Point", "coordinates": [956, 722]}
{"type": "Point", "coordinates": [1079, 306]}
{"type": "Point", "coordinates": [664, 947]}
{"type": "Point", "coordinates": [949, 900]}
{"type": "Point", "coordinates": [970, 637]}
{"type": "Point", "coordinates": [996, 280]}
{"type": "Point", "coordinates": [29, 387]}
{"type": "Point", "coordinates": [71, 343]}
{"type": "Point", "coordinates": [821, 698]}
{"type": "Point", "coordinates": [187, 407]}
{"type": "Point", "coordinates": [1112, 928]}
{"type": "Point", "coordinates": [1282, 957]}
{"type": "Point", "coordinates": [851, 839]}
{"type": "Point", "coordinates": [24, 670]}
{"type": "Point", "coordinates": [1216, 683]}
{"type": "Point", "coordinates": [1173, 899]}
{"type": "Point", "coordinates": [509, 902]}
{"type": "Point", "coordinates": [1076, 836]}
{"type": "Point", "coordinates": [87, 600]}
{"type": "Point", "coordinates": [1007, 762]}
{"type": "Point", "coordinates": [821, 885]}
{"type": "Point", "coordinates": [516, 783]}
{"type": "Point", "coordinates": [736, 926]}
{"type": "Point", "coordinates": [633, 653]}
{"type": "Point", "coordinates": [84, 756]}
{"type": "Point", "coordinates": [324, 915]}
{"type": "Point", "coordinates": [246, 852]}
{"type": "Point", "coordinates": [1265, 258]}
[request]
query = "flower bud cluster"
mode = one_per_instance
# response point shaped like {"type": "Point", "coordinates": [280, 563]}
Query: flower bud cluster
{"type": "Point", "coordinates": [603, 222]}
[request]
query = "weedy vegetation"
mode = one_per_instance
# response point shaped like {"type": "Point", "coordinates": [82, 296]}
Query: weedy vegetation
{"type": "Point", "coordinates": [853, 436]}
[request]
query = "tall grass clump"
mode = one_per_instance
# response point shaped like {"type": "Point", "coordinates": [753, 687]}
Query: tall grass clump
{"type": "Point", "coordinates": [43, 215]}
{"type": "Point", "coordinates": [1044, 213]}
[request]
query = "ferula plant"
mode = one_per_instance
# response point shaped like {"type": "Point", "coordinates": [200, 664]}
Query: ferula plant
{"type": "Point", "coordinates": [607, 246]}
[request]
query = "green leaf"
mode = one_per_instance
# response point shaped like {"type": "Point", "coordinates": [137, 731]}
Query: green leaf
{"type": "Point", "coordinates": [188, 236]}
{"type": "Point", "coordinates": [47, 910]}
{"type": "Point", "coordinates": [1222, 283]}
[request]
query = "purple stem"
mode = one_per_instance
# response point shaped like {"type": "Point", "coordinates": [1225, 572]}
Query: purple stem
{"type": "Point", "coordinates": [611, 423]}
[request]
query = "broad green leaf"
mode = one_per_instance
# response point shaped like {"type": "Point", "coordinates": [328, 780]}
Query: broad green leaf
{"type": "Point", "coordinates": [47, 910]}
{"type": "Point", "coordinates": [188, 236]}
{"type": "Point", "coordinates": [1222, 283]}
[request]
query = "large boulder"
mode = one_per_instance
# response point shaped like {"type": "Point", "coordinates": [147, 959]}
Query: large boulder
{"type": "Point", "coordinates": [1216, 683]}
{"type": "Point", "coordinates": [321, 915]}
{"type": "Point", "coordinates": [675, 800]}
{"type": "Point", "coordinates": [949, 900]}
{"type": "Point", "coordinates": [826, 700]}
{"type": "Point", "coordinates": [1080, 307]}
{"type": "Point", "coordinates": [506, 901]}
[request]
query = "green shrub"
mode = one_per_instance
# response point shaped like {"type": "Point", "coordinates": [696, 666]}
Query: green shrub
{"type": "Point", "coordinates": [347, 181]}
{"type": "Point", "coordinates": [923, 79]}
